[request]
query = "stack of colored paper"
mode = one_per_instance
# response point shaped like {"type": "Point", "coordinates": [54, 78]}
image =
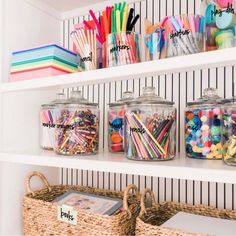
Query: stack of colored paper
{"type": "Point", "coordinates": [42, 62]}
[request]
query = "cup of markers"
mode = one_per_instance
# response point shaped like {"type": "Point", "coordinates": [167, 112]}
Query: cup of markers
{"type": "Point", "coordinates": [184, 35]}
{"type": "Point", "coordinates": [123, 48]}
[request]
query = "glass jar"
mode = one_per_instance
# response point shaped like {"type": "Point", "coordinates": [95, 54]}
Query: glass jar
{"type": "Point", "coordinates": [47, 122]}
{"type": "Point", "coordinates": [220, 23]}
{"type": "Point", "coordinates": [229, 134]}
{"type": "Point", "coordinates": [116, 115]}
{"type": "Point", "coordinates": [150, 128]}
{"type": "Point", "coordinates": [77, 127]}
{"type": "Point", "coordinates": [203, 126]}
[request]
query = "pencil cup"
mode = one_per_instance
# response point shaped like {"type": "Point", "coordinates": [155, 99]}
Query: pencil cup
{"type": "Point", "coordinates": [184, 35]}
{"type": "Point", "coordinates": [86, 46]}
{"type": "Point", "coordinates": [123, 48]}
{"type": "Point", "coordinates": [152, 44]}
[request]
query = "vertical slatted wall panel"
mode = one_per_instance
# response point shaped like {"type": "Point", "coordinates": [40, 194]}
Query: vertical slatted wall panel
{"type": "Point", "coordinates": [180, 88]}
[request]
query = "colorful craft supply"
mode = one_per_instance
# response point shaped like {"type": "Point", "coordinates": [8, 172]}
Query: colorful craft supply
{"type": "Point", "coordinates": [220, 23]}
{"type": "Point", "coordinates": [123, 48]}
{"type": "Point", "coordinates": [116, 115]}
{"type": "Point", "coordinates": [229, 132]}
{"type": "Point", "coordinates": [42, 62]}
{"type": "Point", "coordinates": [77, 127]}
{"type": "Point", "coordinates": [48, 122]}
{"type": "Point", "coordinates": [184, 35]}
{"type": "Point", "coordinates": [150, 128]}
{"type": "Point", "coordinates": [203, 126]}
{"type": "Point", "coordinates": [86, 45]}
{"type": "Point", "coordinates": [111, 29]}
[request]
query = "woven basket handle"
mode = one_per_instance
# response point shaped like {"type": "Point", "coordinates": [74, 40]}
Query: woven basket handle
{"type": "Point", "coordinates": [142, 201]}
{"type": "Point", "coordinates": [41, 176]}
{"type": "Point", "coordinates": [126, 196]}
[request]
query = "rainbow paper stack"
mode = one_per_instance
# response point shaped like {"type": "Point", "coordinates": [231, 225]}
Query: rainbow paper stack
{"type": "Point", "coordinates": [44, 61]}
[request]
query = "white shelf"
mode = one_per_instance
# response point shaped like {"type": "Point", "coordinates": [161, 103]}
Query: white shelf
{"type": "Point", "coordinates": [171, 65]}
{"type": "Point", "coordinates": [179, 168]}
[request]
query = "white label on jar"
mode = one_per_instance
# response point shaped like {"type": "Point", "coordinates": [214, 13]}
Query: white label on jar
{"type": "Point", "coordinates": [67, 214]}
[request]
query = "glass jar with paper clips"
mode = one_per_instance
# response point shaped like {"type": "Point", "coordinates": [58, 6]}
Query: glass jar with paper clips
{"type": "Point", "coordinates": [229, 131]}
{"type": "Point", "coordinates": [184, 35]}
{"type": "Point", "coordinates": [48, 123]}
{"type": "Point", "coordinates": [77, 127]}
{"type": "Point", "coordinates": [123, 48]}
{"type": "Point", "coordinates": [150, 128]}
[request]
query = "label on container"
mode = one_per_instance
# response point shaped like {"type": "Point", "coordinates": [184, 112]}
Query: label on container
{"type": "Point", "coordinates": [67, 214]}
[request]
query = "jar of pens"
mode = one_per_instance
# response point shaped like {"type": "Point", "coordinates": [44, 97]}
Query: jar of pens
{"type": "Point", "coordinates": [150, 128]}
{"type": "Point", "coordinates": [77, 127]}
{"type": "Point", "coordinates": [184, 35]}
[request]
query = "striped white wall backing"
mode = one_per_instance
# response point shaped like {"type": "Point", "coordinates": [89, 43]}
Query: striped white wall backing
{"type": "Point", "coordinates": [180, 88]}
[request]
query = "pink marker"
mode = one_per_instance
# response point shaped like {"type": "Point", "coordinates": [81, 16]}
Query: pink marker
{"type": "Point", "coordinates": [197, 23]}
{"type": "Point", "coordinates": [192, 23]}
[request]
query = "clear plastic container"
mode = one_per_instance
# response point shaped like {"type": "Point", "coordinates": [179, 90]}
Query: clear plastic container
{"type": "Point", "coordinates": [123, 48]}
{"type": "Point", "coordinates": [153, 45]}
{"type": "Point", "coordinates": [220, 23]}
{"type": "Point", "coordinates": [229, 134]}
{"type": "Point", "coordinates": [116, 116]}
{"type": "Point", "coordinates": [47, 122]}
{"type": "Point", "coordinates": [150, 126]}
{"type": "Point", "coordinates": [204, 126]}
{"type": "Point", "coordinates": [184, 35]}
{"type": "Point", "coordinates": [77, 127]}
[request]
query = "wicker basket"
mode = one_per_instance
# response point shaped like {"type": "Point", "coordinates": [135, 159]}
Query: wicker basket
{"type": "Point", "coordinates": [149, 221]}
{"type": "Point", "coordinates": [40, 214]}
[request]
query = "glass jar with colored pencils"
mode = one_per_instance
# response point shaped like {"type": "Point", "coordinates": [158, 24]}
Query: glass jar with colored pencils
{"type": "Point", "coordinates": [150, 128]}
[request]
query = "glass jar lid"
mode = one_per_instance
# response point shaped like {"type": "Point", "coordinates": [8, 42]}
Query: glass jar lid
{"type": "Point", "coordinates": [127, 97]}
{"type": "Point", "coordinates": [78, 99]}
{"type": "Point", "coordinates": [210, 97]}
{"type": "Point", "coordinates": [230, 100]}
{"type": "Point", "coordinates": [60, 100]}
{"type": "Point", "coordinates": [150, 97]}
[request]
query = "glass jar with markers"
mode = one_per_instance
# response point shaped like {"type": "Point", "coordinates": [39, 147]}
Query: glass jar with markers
{"type": "Point", "coordinates": [204, 126]}
{"type": "Point", "coordinates": [150, 126]}
{"type": "Point", "coordinates": [47, 121]}
{"type": "Point", "coordinates": [116, 116]}
{"type": "Point", "coordinates": [77, 127]}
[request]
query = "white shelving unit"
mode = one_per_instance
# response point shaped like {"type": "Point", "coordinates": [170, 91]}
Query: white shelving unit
{"type": "Point", "coordinates": [171, 65]}
{"type": "Point", "coordinates": [180, 79]}
{"type": "Point", "coordinates": [181, 167]}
